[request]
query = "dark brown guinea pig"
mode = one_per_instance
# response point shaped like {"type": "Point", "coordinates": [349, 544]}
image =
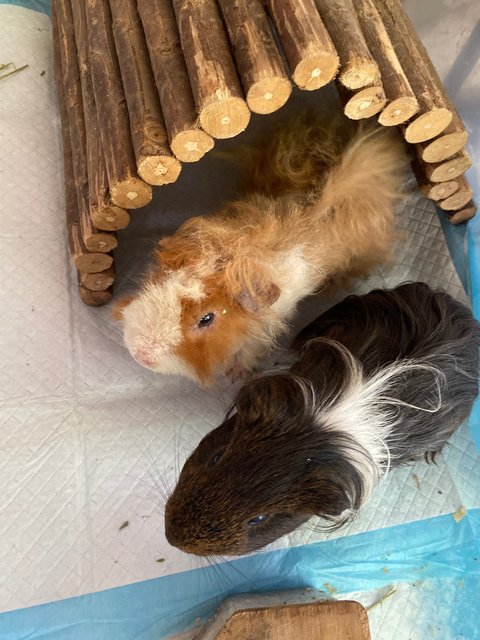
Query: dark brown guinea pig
{"type": "Point", "coordinates": [381, 380]}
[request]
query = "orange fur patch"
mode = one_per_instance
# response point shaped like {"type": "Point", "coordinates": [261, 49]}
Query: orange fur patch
{"type": "Point", "coordinates": [207, 348]}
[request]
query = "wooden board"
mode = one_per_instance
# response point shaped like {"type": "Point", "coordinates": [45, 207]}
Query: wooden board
{"type": "Point", "coordinates": [328, 620]}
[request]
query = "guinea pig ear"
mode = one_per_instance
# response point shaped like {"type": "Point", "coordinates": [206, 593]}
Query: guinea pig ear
{"type": "Point", "coordinates": [118, 308]}
{"type": "Point", "coordinates": [276, 399]}
{"type": "Point", "coordinates": [336, 487]}
{"type": "Point", "coordinates": [260, 295]}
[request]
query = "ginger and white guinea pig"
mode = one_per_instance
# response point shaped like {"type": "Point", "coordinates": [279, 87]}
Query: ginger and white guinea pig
{"type": "Point", "coordinates": [381, 380]}
{"type": "Point", "coordinates": [223, 287]}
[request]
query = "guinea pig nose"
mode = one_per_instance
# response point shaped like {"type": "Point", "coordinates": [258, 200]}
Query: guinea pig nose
{"type": "Point", "coordinates": [144, 357]}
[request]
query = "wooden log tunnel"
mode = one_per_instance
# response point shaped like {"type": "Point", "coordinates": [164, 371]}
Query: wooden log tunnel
{"type": "Point", "coordinates": [145, 85]}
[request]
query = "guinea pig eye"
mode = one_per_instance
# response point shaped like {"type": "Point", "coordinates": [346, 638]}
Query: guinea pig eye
{"type": "Point", "coordinates": [206, 320]}
{"type": "Point", "coordinates": [217, 457]}
{"type": "Point", "coordinates": [257, 520]}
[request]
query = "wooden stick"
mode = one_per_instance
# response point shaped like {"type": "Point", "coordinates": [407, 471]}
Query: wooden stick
{"type": "Point", "coordinates": [98, 281]}
{"type": "Point", "coordinates": [450, 142]}
{"type": "Point", "coordinates": [433, 191]}
{"type": "Point", "coordinates": [364, 103]}
{"type": "Point", "coordinates": [86, 261]}
{"type": "Point", "coordinates": [127, 190]}
{"type": "Point", "coordinates": [402, 104]}
{"type": "Point", "coordinates": [105, 215]}
{"type": "Point", "coordinates": [450, 169]}
{"type": "Point", "coordinates": [435, 115]}
{"type": "Point", "coordinates": [358, 68]}
{"type": "Point", "coordinates": [155, 162]}
{"type": "Point", "coordinates": [187, 140]}
{"type": "Point", "coordinates": [440, 190]}
{"type": "Point", "coordinates": [216, 88]}
{"type": "Point", "coordinates": [73, 125]}
{"type": "Point", "coordinates": [308, 47]}
{"type": "Point", "coordinates": [95, 298]}
{"type": "Point", "coordinates": [259, 63]}
{"type": "Point", "coordinates": [460, 198]}
{"type": "Point", "coordinates": [464, 214]}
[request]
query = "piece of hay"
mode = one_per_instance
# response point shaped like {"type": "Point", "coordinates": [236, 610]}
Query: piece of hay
{"type": "Point", "coordinates": [10, 73]}
{"type": "Point", "coordinates": [459, 514]}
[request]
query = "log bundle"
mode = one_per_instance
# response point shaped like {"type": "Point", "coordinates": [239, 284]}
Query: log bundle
{"type": "Point", "coordinates": [146, 85]}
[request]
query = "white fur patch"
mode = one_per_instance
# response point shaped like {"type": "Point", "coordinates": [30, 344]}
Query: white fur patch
{"type": "Point", "coordinates": [365, 411]}
{"type": "Point", "coordinates": [295, 278]}
{"type": "Point", "coordinates": [152, 322]}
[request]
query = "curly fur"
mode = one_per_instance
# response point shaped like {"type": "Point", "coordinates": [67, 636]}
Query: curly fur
{"type": "Point", "coordinates": [380, 380]}
{"type": "Point", "coordinates": [323, 210]}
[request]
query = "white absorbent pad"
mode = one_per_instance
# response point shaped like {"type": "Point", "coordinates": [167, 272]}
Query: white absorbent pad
{"type": "Point", "coordinates": [89, 441]}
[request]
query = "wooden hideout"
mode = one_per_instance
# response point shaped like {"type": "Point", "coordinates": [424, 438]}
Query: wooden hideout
{"type": "Point", "coordinates": [145, 85]}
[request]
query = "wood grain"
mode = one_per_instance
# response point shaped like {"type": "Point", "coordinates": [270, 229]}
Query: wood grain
{"type": "Point", "coordinates": [127, 189]}
{"type": "Point", "coordinates": [401, 101]}
{"type": "Point", "coordinates": [258, 60]}
{"type": "Point", "coordinates": [434, 114]}
{"type": "Point", "coordinates": [187, 140]}
{"type": "Point", "coordinates": [217, 91]}
{"type": "Point", "coordinates": [358, 67]}
{"type": "Point", "coordinates": [306, 42]}
{"type": "Point", "coordinates": [341, 620]}
{"type": "Point", "coordinates": [155, 162]}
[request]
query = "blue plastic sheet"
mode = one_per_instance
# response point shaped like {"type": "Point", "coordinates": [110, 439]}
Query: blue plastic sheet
{"type": "Point", "coordinates": [437, 548]}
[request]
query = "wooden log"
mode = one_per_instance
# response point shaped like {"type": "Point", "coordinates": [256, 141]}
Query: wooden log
{"type": "Point", "coordinates": [450, 142]}
{"type": "Point", "coordinates": [98, 281]}
{"type": "Point", "coordinates": [402, 104]}
{"type": "Point", "coordinates": [440, 190]}
{"type": "Point", "coordinates": [95, 298]}
{"type": "Point", "coordinates": [364, 103]}
{"type": "Point", "coordinates": [460, 198]}
{"type": "Point", "coordinates": [187, 140]}
{"type": "Point", "coordinates": [434, 114]}
{"type": "Point", "coordinates": [449, 169]}
{"type": "Point", "coordinates": [73, 124]}
{"type": "Point", "coordinates": [127, 189]}
{"type": "Point", "coordinates": [86, 261]}
{"type": "Point", "coordinates": [104, 214]}
{"type": "Point", "coordinates": [217, 91]}
{"type": "Point", "coordinates": [155, 162]}
{"type": "Point", "coordinates": [433, 191]}
{"type": "Point", "coordinates": [358, 68]}
{"type": "Point", "coordinates": [306, 42]}
{"type": "Point", "coordinates": [464, 214]}
{"type": "Point", "coordinates": [258, 60]}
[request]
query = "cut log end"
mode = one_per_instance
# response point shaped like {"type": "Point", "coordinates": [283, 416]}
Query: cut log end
{"type": "Point", "coordinates": [448, 170]}
{"type": "Point", "coordinates": [191, 145]}
{"type": "Point", "coordinates": [398, 111]}
{"type": "Point", "coordinates": [110, 218]}
{"type": "Point", "coordinates": [440, 191]}
{"type": "Point", "coordinates": [465, 214]}
{"type": "Point", "coordinates": [444, 146]}
{"type": "Point", "coordinates": [428, 125]}
{"type": "Point", "coordinates": [225, 118]}
{"type": "Point", "coordinates": [268, 95]}
{"type": "Point", "coordinates": [365, 103]}
{"type": "Point", "coordinates": [101, 242]}
{"type": "Point", "coordinates": [92, 262]}
{"type": "Point", "coordinates": [315, 71]}
{"type": "Point", "coordinates": [159, 169]}
{"type": "Point", "coordinates": [95, 298]}
{"type": "Point", "coordinates": [131, 193]}
{"type": "Point", "coordinates": [358, 74]}
{"type": "Point", "coordinates": [97, 281]}
{"type": "Point", "coordinates": [457, 200]}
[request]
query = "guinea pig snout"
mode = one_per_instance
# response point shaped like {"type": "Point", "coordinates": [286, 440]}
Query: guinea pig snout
{"type": "Point", "coordinates": [145, 356]}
